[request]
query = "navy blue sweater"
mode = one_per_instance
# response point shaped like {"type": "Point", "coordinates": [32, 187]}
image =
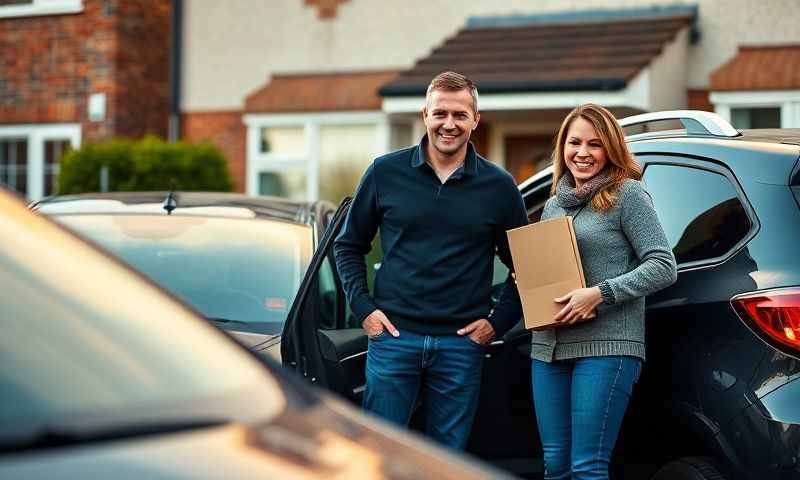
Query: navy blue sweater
{"type": "Point", "coordinates": [438, 240]}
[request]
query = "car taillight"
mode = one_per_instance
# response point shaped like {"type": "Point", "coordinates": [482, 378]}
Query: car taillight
{"type": "Point", "coordinates": [775, 313]}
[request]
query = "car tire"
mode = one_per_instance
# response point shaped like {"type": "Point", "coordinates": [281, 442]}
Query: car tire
{"type": "Point", "coordinates": [689, 468]}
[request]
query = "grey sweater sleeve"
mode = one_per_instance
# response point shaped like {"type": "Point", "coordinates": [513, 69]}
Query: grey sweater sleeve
{"type": "Point", "coordinates": [656, 269]}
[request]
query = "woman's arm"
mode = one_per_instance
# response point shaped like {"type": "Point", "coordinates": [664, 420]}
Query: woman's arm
{"type": "Point", "coordinates": [657, 268]}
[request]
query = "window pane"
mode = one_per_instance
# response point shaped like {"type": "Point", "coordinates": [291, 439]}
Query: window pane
{"type": "Point", "coordinates": [401, 136]}
{"type": "Point", "coordinates": [345, 152]}
{"type": "Point", "coordinates": [14, 164]}
{"type": "Point", "coordinates": [289, 184]}
{"type": "Point", "coordinates": [328, 294]}
{"type": "Point", "coordinates": [288, 141]}
{"type": "Point", "coordinates": [700, 211]}
{"type": "Point", "coordinates": [756, 117]}
{"type": "Point", "coordinates": [54, 151]}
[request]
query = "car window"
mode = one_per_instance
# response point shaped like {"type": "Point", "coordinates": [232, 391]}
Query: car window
{"type": "Point", "coordinates": [700, 211]}
{"type": "Point", "coordinates": [82, 335]}
{"type": "Point", "coordinates": [240, 270]}
{"type": "Point", "coordinates": [331, 315]}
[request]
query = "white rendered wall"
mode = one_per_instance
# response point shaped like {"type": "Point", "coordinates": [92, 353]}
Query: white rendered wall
{"type": "Point", "coordinates": [231, 48]}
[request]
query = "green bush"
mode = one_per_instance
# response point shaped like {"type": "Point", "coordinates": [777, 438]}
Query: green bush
{"type": "Point", "coordinates": [142, 165]}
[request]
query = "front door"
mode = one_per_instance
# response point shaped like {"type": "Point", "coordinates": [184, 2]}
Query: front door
{"type": "Point", "coordinates": [527, 154]}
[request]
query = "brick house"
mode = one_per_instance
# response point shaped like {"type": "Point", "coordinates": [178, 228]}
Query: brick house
{"type": "Point", "coordinates": [78, 70]}
{"type": "Point", "coordinates": [301, 94]}
{"type": "Point", "coordinates": [293, 90]}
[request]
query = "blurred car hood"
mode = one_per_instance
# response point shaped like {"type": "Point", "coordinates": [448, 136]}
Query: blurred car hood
{"type": "Point", "coordinates": [324, 439]}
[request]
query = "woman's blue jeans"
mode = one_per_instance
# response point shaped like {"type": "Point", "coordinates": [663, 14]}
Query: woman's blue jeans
{"type": "Point", "coordinates": [579, 407]}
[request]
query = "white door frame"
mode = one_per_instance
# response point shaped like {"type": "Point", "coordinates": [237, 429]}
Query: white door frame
{"type": "Point", "coordinates": [36, 135]}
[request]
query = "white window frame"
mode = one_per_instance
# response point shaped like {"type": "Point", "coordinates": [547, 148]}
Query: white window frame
{"type": "Point", "coordinates": [264, 162]}
{"type": "Point", "coordinates": [42, 7]}
{"type": "Point", "coordinates": [787, 100]}
{"type": "Point", "coordinates": [36, 136]}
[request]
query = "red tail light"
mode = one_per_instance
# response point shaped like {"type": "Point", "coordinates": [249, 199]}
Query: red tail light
{"type": "Point", "coordinates": [774, 313]}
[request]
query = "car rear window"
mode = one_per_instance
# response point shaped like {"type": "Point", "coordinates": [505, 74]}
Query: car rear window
{"type": "Point", "coordinates": [796, 191]}
{"type": "Point", "coordinates": [240, 270]}
{"type": "Point", "coordinates": [699, 209]}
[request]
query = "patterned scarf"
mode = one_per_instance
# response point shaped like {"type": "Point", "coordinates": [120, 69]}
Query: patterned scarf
{"type": "Point", "coordinates": [570, 197]}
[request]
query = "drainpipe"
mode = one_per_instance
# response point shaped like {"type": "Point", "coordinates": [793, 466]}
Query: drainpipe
{"type": "Point", "coordinates": [174, 128]}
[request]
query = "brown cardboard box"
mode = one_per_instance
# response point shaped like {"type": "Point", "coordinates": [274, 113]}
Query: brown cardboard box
{"type": "Point", "coordinates": [547, 265]}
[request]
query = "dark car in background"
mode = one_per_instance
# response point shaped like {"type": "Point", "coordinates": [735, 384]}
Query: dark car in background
{"type": "Point", "coordinates": [103, 375]}
{"type": "Point", "coordinates": [236, 259]}
{"type": "Point", "coordinates": [719, 397]}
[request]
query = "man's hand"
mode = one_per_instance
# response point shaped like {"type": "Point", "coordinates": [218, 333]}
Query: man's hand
{"type": "Point", "coordinates": [580, 305]}
{"type": "Point", "coordinates": [480, 331]}
{"type": "Point", "coordinates": [376, 322]}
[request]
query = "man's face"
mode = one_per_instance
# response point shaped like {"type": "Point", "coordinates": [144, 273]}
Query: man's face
{"type": "Point", "coordinates": [450, 118]}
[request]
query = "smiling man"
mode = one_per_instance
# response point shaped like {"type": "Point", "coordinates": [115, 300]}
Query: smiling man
{"type": "Point", "coordinates": [442, 211]}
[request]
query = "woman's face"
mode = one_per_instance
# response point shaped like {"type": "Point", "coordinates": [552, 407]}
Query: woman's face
{"type": "Point", "coordinates": [584, 154]}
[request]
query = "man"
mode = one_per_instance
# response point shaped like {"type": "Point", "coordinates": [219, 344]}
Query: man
{"type": "Point", "coordinates": [442, 210]}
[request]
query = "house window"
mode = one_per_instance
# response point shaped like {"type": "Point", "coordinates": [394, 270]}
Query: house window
{"type": "Point", "coordinates": [285, 141]}
{"type": "Point", "coordinates": [29, 8]}
{"type": "Point", "coordinates": [14, 164]}
{"type": "Point", "coordinates": [30, 156]}
{"type": "Point", "coordinates": [759, 108]}
{"type": "Point", "coordinates": [54, 150]}
{"type": "Point", "coordinates": [312, 156]}
{"type": "Point", "coordinates": [345, 152]}
{"type": "Point", "coordinates": [761, 117]}
{"type": "Point", "coordinates": [288, 183]}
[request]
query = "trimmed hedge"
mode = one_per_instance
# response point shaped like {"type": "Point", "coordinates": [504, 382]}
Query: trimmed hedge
{"type": "Point", "coordinates": [144, 165]}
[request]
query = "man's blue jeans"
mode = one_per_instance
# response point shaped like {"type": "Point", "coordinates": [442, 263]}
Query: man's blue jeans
{"type": "Point", "coordinates": [579, 407]}
{"type": "Point", "coordinates": [446, 368]}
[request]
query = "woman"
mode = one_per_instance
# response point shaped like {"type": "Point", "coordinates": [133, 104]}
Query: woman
{"type": "Point", "coordinates": [584, 371]}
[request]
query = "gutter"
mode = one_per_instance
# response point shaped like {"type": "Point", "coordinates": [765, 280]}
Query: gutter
{"type": "Point", "coordinates": [176, 45]}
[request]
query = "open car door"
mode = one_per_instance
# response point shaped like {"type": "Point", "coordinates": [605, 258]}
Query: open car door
{"type": "Point", "coordinates": [320, 340]}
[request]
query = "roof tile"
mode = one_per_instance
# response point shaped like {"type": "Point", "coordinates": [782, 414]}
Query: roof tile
{"type": "Point", "coordinates": [588, 55]}
{"type": "Point", "coordinates": [765, 67]}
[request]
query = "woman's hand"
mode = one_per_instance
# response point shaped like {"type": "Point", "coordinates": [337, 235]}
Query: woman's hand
{"type": "Point", "coordinates": [580, 305]}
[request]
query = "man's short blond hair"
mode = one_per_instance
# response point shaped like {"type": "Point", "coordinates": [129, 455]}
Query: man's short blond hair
{"type": "Point", "coordinates": [453, 82]}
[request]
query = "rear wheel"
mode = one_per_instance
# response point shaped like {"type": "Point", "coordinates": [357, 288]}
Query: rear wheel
{"type": "Point", "coordinates": [689, 468]}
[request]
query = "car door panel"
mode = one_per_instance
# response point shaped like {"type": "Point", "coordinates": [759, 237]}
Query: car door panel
{"type": "Point", "coordinates": [344, 353]}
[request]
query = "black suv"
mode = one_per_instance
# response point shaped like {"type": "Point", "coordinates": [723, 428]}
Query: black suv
{"type": "Point", "coordinates": [720, 393]}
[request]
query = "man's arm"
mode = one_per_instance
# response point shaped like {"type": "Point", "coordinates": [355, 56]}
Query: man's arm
{"type": "Point", "coordinates": [354, 242]}
{"type": "Point", "coordinates": [508, 310]}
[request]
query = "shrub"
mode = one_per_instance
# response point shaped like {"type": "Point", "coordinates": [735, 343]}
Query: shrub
{"type": "Point", "coordinates": [147, 164]}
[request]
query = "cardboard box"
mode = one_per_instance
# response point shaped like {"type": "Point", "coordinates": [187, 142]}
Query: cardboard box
{"type": "Point", "coordinates": [547, 265]}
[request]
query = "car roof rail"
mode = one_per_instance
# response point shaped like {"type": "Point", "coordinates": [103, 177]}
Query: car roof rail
{"type": "Point", "coordinates": [696, 122]}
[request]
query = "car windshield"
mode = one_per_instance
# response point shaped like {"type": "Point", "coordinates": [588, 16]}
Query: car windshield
{"type": "Point", "coordinates": [86, 343]}
{"type": "Point", "coordinates": [241, 271]}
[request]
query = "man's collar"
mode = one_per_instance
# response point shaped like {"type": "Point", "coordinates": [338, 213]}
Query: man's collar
{"type": "Point", "coordinates": [420, 157]}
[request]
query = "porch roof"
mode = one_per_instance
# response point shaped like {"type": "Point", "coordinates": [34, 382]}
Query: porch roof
{"type": "Point", "coordinates": [760, 67]}
{"type": "Point", "coordinates": [576, 51]}
{"type": "Point", "coordinates": [319, 92]}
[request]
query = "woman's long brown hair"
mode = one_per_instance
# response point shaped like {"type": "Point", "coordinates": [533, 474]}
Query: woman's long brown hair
{"type": "Point", "coordinates": [620, 164]}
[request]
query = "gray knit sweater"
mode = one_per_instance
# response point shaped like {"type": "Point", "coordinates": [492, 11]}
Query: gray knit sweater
{"type": "Point", "coordinates": [626, 254]}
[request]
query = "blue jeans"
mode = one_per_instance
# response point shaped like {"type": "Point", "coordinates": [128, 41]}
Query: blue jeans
{"type": "Point", "coordinates": [579, 407]}
{"type": "Point", "coordinates": [447, 368]}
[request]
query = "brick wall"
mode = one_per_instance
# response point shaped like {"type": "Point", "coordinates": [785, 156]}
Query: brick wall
{"type": "Point", "coordinates": [142, 68]}
{"type": "Point", "coordinates": [225, 130]}
{"type": "Point", "coordinates": [51, 64]}
{"type": "Point", "coordinates": [698, 100]}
